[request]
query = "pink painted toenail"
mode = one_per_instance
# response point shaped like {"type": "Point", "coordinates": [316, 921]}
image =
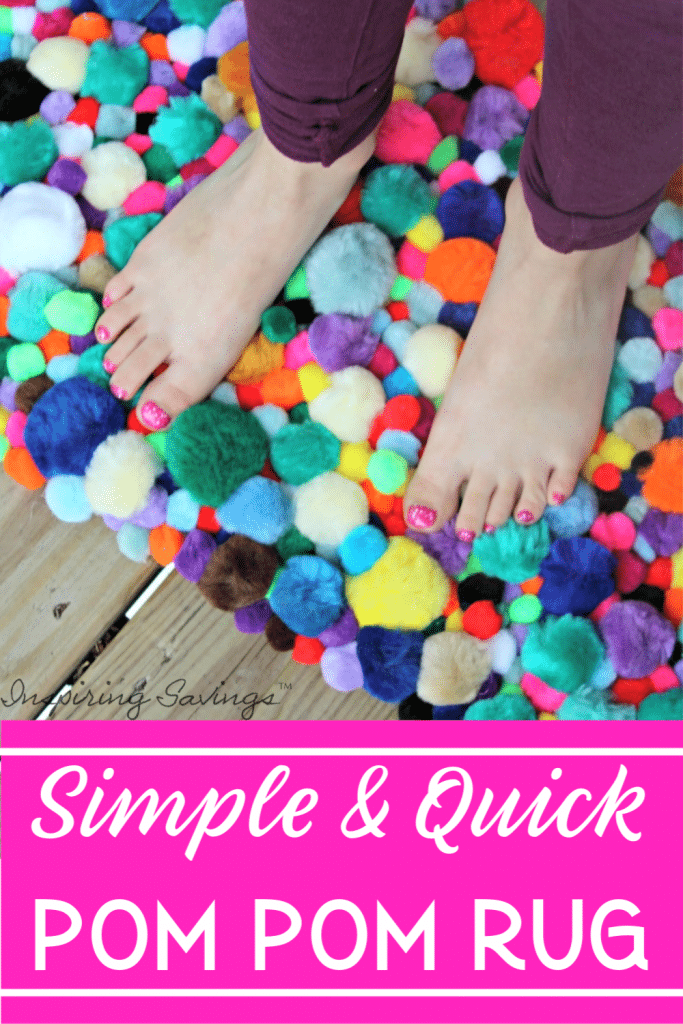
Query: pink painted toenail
{"type": "Point", "coordinates": [559, 498]}
{"type": "Point", "coordinates": [465, 535]}
{"type": "Point", "coordinates": [154, 417]}
{"type": "Point", "coordinates": [420, 516]}
{"type": "Point", "coordinates": [103, 334]}
{"type": "Point", "coordinates": [108, 366]}
{"type": "Point", "coordinates": [525, 516]}
{"type": "Point", "coordinates": [488, 528]}
{"type": "Point", "coordinates": [118, 392]}
{"type": "Point", "coordinates": [106, 301]}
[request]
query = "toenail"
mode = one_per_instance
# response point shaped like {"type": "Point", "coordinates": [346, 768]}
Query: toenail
{"type": "Point", "coordinates": [465, 535]}
{"type": "Point", "coordinates": [106, 301]}
{"type": "Point", "coordinates": [559, 498]}
{"type": "Point", "coordinates": [488, 528]}
{"type": "Point", "coordinates": [118, 392]}
{"type": "Point", "coordinates": [153, 416]}
{"type": "Point", "coordinates": [103, 333]}
{"type": "Point", "coordinates": [421, 516]}
{"type": "Point", "coordinates": [525, 516]}
{"type": "Point", "coordinates": [108, 366]}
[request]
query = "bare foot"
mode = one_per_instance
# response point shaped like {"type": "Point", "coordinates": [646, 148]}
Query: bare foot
{"type": "Point", "coordinates": [194, 290]}
{"type": "Point", "coordinates": [523, 408]}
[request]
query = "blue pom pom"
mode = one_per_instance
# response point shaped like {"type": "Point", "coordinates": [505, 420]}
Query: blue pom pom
{"type": "Point", "coordinates": [469, 209]}
{"type": "Point", "coordinates": [390, 660]}
{"type": "Point", "coordinates": [673, 427]}
{"type": "Point", "coordinates": [361, 548]}
{"type": "Point", "coordinates": [308, 595]}
{"type": "Point", "coordinates": [65, 497]}
{"type": "Point", "coordinates": [159, 18]}
{"type": "Point", "coordinates": [402, 442]}
{"type": "Point", "coordinates": [449, 712]}
{"type": "Point", "coordinates": [630, 484]}
{"type": "Point", "coordinates": [182, 510]}
{"type": "Point", "coordinates": [576, 515]}
{"type": "Point", "coordinates": [577, 575]}
{"type": "Point", "coordinates": [642, 395]}
{"type": "Point", "coordinates": [400, 382]}
{"type": "Point", "coordinates": [458, 315]}
{"type": "Point", "coordinates": [469, 150]}
{"type": "Point", "coordinates": [68, 422]}
{"type": "Point", "coordinates": [85, 7]}
{"type": "Point", "coordinates": [634, 324]}
{"type": "Point", "coordinates": [61, 368]}
{"type": "Point", "coordinates": [259, 509]}
{"type": "Point", "coordinates": [200, 70]}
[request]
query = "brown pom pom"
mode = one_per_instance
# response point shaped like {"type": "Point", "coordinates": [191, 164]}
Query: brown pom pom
{"type": "Point", "coordinates": [453, 667]}
{"type": "Point", "coordinates": [29, 391]}
{"type": "Point", "coordinates": [238, 573]}
{"type": "Point", "coordinates": [279, 636]}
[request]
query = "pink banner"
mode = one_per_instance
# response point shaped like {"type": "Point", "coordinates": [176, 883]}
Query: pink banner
{"type": "Point", "coordinates": [310, 871]}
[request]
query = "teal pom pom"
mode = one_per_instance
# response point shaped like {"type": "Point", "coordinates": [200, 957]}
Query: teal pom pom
{"type": "Point", "coordinates": [133, 542]}
{"type": "Point", "coordinates": [509, 705]}
{"type": "Point", "coordinates": [187, 128]}
{"type": "Point", "coordinates": [564, 652]}
{"type": "Point", "coordinates": [618, 398]}
{"type": "Point", "coordinates": [123, 235]}
{"type": "Point", "coordinates": [27, 151]}
{"type": "Point", "coordinates": [212, 448]}
{"type": "Point", "coordinates": [28, 299]}
{"type": "Point", "coordinates": [361, 548]}
{"type": "Point", "coordinates": [513, 553]}
{"type": "Point", "coordinates": [197, 12]}
{"type": "Point", "coordinates": [395, 197]}
{"type": "Point", "coordinates": [299, 453]}
{"type": "Point", "coordinates": [294, 543]}
{"type": "Point", "coordinates": [5, 346]}
{"type": "Point", "coordinates": [589, 705]}
{"type": "Point", "coordinates": [115, 76]}
{"type": "Point", "coordinates": [90, 365]}
{"type": "Point", "coordinates": [662, 707]}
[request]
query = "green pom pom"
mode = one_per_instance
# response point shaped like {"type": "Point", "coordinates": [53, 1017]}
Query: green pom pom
{"type": "Point", "coordinates": [113, 75]}
{"type": "Point", "coordinates": [25, 360]}
{"type": "Point", "coordinates": [564, 652]}
{"type": "Point", "coordinates": [443, 155]}
{"type": "Point", "coordinates": [473, 566]}
{"type": "Point", "coordinates": [525, 609]}
{"type": "Point", "coordinates": [278, 323]}
{"type": "Point", "coordinates": [400, 288]}
{"type": "Point", "coordinates": [159, 164]}
{"type": "Point", "coordinates": [123, 235]}
{"type": "Point", "coordinates": [5, 346]}
{"type": "Point", "coordinates": [619, 396]}
{"type": "Point", "coordinates": [387, 471]}
{"type": "Point", "coordinates": [299, 453]}
{"type": "Point", "coordinates": [509, 154]}
{"type": "Point", "coordinates": [294, 543]}
{"type": "Point", "coordinates": [72, 312]}
{"type": "Point", "coordinates": [197, 12]}
{"type": "Point", "coordinates": [662, 707]}
{"type": "Point", "coordinates": [4, 447]}
{"type": "Point", "coordinates": [90, 365]}
{"type": "Point", "coordinates": [509, 705]}
{"type": "Point", "coordinates": [158, 440]}
{"type": "Point", "coordinates": [27, 151]}
{"type": "Point", "coordinates": [212, 448]}
{"type": "Point", "coordinates": [296, 287]}
{"type": "Point", "coordinates": [589, 705]}
{"type": "Point", "coordinates": [513, 553]}
{"type": "Point", "coordinates": [299, 413]}
{"type": "Point", "coordinates": [395, 197]}
{"type": "Point", "coordinates": [187, 128]}
{"type": "Point", "coordinates": [29, 297]}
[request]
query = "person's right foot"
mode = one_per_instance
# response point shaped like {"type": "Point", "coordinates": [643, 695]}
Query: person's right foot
{"type": "Point", "coordinates": [194, 290]}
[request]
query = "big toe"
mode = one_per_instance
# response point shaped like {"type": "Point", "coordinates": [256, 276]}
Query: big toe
{"type": "Point", "coordinates": [173, 391]}
{"type": "Point", "coordinates": [432, 495]}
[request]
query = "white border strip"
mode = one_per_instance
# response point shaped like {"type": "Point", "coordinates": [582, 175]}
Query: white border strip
{"type": "Point", "coordinates": [342, 751]}
{"type": "Point", "coordinates": [335, 992]}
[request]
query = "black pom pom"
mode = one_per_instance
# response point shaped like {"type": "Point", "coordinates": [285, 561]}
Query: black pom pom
{"type": "Point", "coordinates": [412, 709]}
{"type": "Point", "coordinates": [479, 587]}
{"type": "Point", "coordinates": [20, 93]}
{"type": "Point", "coordinates": [646, 592]}
{"type": "Point", "coordinates": [611, 501]}
{"type": "Point", "coordinates": [641, 460]}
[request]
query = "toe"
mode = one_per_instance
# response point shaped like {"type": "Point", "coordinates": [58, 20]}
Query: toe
{"type": "Point", "coordinates": [561, 484]}
{"type": "Point", "coordinates": [177, 388]}
{"type": "Point", "coordinates": [122, 348]}
{"type": "Point", "coordinates": [114, 320]}
{"type": "Point", "coordinates": [502, 503]}
{"type": "Point", "coordinates": [532, 501]}
{"type": "Point", "coordinates": [475, 503]}
{"type": "Point", "coordinates": [433, 493]}
{"type": "Point", "coordinates": [145, 354]}
{"type": "Point", "coordinates": [118, 287]}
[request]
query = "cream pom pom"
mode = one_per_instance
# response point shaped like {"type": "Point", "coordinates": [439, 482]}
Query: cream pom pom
{"type": "Point", "coordinates": [349, 406]}
{"type": "Point", "coordinates": [59, 62]}
{"type": "Point", "coordinates": [41, 228]}
{"type": "Point", "coordinates": [430, 356]}
{"type": "Point", "coordinates": [328, 507]}
{"type": "Point", "coordinates": [114, 171]}
{"type": "Point", "coordinates": [120, 474]}
{"type": "Point", "coordinates": [420, 43]}
{"type": "Point", "coordinates": [453, 667]}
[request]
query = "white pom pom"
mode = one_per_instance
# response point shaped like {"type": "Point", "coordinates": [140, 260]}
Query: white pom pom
{"type": "Point", "coordinates": [120, 474]}
{"type": "Point", "coordinates": [430, 356]}
{"type": "Point", "coordinates": [489, 166]}
{"type": "Point", "coordinates": [328, 508]}
{"type": "Point", "coordinates": [351, 270]}
{"type": "Point", "coordinates": [114, 171]}
{"type": "Point", "coordinates": [59, 63]}
{"type": "Point", "coordinates": [23, 19]}
{"type": "Point", "coordinates": [41, 228]}
{"type": "Point", "coordinates": [186, 44]}
{"type": "Point", "coordinates": [73, 140]}
{"type": "Point", "coordinates": [503, 650]}
{"type": "Point", "coordinates": [349, 406]}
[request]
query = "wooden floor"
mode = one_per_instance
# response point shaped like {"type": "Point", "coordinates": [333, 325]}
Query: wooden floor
{"type": "Point", "coordinates": [62, 588]}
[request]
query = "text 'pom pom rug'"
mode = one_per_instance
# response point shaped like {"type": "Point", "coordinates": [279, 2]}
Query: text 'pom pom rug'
{"type": "Point", "coordinates": [280, 496]}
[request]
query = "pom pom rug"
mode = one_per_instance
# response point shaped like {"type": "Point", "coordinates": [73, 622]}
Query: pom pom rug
{"type": "Point", "coordinates": [280, 496]}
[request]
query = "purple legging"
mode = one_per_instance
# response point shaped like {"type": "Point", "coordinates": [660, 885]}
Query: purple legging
{"type": "Point", "coordinates": [601, 144]}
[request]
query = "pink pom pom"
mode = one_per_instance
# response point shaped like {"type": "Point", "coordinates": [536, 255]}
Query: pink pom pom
{"type": "Point", "coordinates": [223, 147]}
{"type": "Point", "coordinates": [140, 143]}
{"type": "Point", "coordinates": [150, 99]}
{"type": "Point", "coordinates": [542, 696]}
{"type": "Point", "coordinates": [148, 198]}
{"type": "Point", "coordinates": [668, 327]}
{"type": "Point", "coordinates": [407, 134]}
{"type": "Point", "coordinates": [528, 91]}
{"type": "Point", "coordinates": [297, 352]}
{"type": "Point", "coordinates": [14, 431]}
{"type": "Point", "coordinates": [664, 678]}
{"type": "Point", "coordinates": [6, 281]}
{"type": "Point", "coordinates": [411, 261]}
{"type": "Point", "coordinates": [604, 607]}
{"type": "Point", "coordinates": [459, 170]}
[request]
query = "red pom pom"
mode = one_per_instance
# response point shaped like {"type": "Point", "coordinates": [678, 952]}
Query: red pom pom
{"type": "Point", "coordinates": [607, 477]}
{"type": "Point", "coordinates": [506, 38]}
{"type": "Point", "coordinates": [248, 395]}
{"type": "Point", "coordinates": [307, 650]}
{"type": "Point", "coordinates": [398, 311]}
{"type": "Point", "coordinates": [206, 520]}
{"type": "Point", "coordinates": [133, 423]}
{"type": "Point", "coordinates": [376, 429]}
{"type": "Point", "coordinates": [349, 211]}
{"type": "Point", "coordinates": [401, 412]}
{"type": "Point", "coordinates": [631, 691]}
{"type": "Point", "coordinates": [659, 573]}
{"type": "Point", "coordinates": [482, 620]}
{"type": "Point", "coordinates": [200, 166]}
{"type": "Point", "coordinates": [383, 361]}
{"type": "Point", "coordinates": [85, 112]}
{"type": "Point", "coordinates": [427, 414]}
{"type": "Point", "coordinates": [659, 275]}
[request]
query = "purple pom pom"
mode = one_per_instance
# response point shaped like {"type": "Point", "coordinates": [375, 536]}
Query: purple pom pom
{"type": "Point", "coordinates": [67, 175]}
{"type": "Point", "coordinates": [338, 341]}
{"type": "Point", "coordinates": [453, 64]}
{"type": "Point", "coordinates": [638, 638]}
{"type": "Point", "coordinates": [341, 632]}
{"type": "Point", "coordinates": [444, 547]}
{"type": "Point", "coordinates": [194, 554]}
{"type": "Point", "coordinates": [663, 531]}
{"type": "Point", "coordinates": [253, 618]}
{"type": "Point", "coordinates": [494, 116]}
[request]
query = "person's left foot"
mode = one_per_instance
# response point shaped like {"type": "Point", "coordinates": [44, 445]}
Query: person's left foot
{"type": "Point", "coordinates": [523, 407]}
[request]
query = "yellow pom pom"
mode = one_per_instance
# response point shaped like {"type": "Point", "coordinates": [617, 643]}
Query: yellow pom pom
{"type": "Point", "coordinates": [547, 716]}
{"type": "Point", "coordinates": [616, 450]}
{"type": "Point", "coordinates": [405, 588]}
{"type": "Point", "coordinates": [426, 234]}
{"type": "Point", "coordinates": [454, 621]}
{"type": "Point", "coordinates": [677, 569]}
{"type": "Point", "coordinates": [589, 467]}
{"type": "Point", "coordinates": [313, 380]}
{"type": "Point", "coordinates": [538, 71]}
{"type": "Point", "coordinates": [402, 92]}
{"type": "Point", "coordinates": [251, 112]}
{"type": "Point", "coordinates": [353, 461]}
{"type": "Point", "coordinates": [4, 416]}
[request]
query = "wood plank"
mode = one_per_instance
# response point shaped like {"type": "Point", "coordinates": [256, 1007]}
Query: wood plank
{"type": "Point", "coordinates": [179, 648]}
{"type": "Point", "coordinates": [62, 587]}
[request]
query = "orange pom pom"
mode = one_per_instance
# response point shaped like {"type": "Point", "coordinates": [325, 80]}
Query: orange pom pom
{"type": "Point", "coordinates": [164, 543]}
{"type": "Point", "coordinates": [673, 605]}
{"type": "Point", "coordinates": [460, 269]}
{"type": "Point", "coordinates": [90, 26]}
{"type": "Point", "coordinates": [4, 309]}
{"type": "Point", "coordinates": [55, 343]}
{"type": "Point", "coordinates": [92, 246]}
{"type": "Point", "coordinates": [282, 387]}
{"type": "Point", "coordinates": [380, 503]}
{"type": "Point", "coordinates": [452, 604]}
{"type": "Point", "coordinates": [259, 358]}
{"type": "Point", "coordinates": [532, 586]}
{"type": "Point", "coordinates": [20, 466]}
{"type": "Point", "coordinates": [663, 480]}
{"type": "Point", "coordinates": [233, 70]}
{"type": "Point", "coordinates": [155, 46]}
